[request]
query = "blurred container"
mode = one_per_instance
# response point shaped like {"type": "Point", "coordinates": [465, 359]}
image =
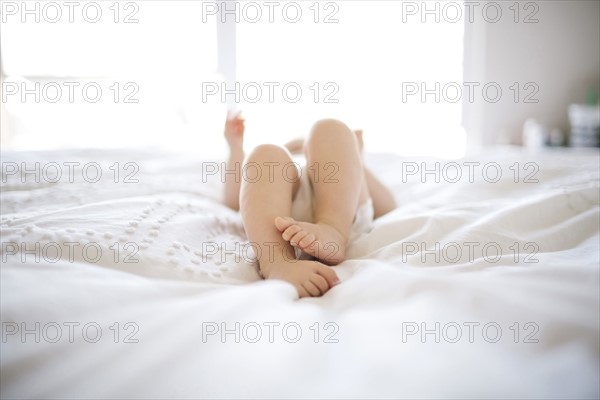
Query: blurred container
{"type": "Point", "coordinates": [585, 125]}
{"type": "Point", "coordinates": [534, 134]}
{"type": "Point", "coordinates": [556, 138]}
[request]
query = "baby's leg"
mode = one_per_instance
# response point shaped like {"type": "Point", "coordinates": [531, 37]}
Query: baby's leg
{"type": "Point", "coordinates": [267, 191]}
{"type": "Point", "coordinates": [232, 178]}
{"type": "Point", "coordinates": [383, 198]}
{"type": "Point", "coordinates": [338, 179]}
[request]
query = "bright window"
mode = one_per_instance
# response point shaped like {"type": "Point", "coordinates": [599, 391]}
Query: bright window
{"type": "Point", "coordinates": [366, 61]}
{"type": "Point", "coordinates": [360, 61]}
{"type": "Point", "coordinates": [121, 74]}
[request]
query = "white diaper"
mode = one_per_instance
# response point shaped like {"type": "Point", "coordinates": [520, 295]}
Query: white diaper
{"type": "Point", "coordinates": [302, 206]}
{"type": "Point", "coordinates": [302, 209]}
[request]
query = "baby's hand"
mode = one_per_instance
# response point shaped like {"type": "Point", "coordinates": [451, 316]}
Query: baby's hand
{"type": "Point", "coordinates": [234, 130]}
{"type": "Point", "coordinates": [311, 278]}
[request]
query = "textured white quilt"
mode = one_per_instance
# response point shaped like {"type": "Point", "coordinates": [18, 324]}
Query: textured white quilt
{"type": "Point", "coordinates": [139, 283]}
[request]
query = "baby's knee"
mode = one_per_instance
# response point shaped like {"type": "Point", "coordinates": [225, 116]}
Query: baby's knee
{"type": "Point", "coordinates": [268, 152]}
{"type": "Point", "coordinates": [328, 129]}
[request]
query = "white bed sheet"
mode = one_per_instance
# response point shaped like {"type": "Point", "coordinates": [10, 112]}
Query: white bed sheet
{"type": "Point", "coordinates": [190, 281]}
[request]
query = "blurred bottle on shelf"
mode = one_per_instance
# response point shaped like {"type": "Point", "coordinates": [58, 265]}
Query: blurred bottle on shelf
{"type": "Point", "coordinates": [585, 122]}
{"type": "Point", "coordinates": [535, 135]}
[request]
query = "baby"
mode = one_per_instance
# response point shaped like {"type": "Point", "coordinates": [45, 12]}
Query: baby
{"type": "Point", "coordinates": [335, 182]}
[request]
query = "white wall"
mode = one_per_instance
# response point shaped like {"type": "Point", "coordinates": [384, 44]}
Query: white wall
{"type": "Point", "coordinates": [560, 54]}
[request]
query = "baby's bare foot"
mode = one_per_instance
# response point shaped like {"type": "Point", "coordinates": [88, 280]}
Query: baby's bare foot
{"type": "Point", "coordinates": [295, 146]}
{"type": "Point", "coordinates": [310, 278]}
{"type": "Point", "coordinates": [319, 240]}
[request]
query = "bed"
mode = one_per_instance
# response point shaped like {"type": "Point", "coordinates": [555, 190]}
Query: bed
{"type": "Point", "coordinates": [125, 277]}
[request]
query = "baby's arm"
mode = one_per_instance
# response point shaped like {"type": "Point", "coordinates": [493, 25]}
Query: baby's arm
{"type": "Point", "coordinates": [234, 133]}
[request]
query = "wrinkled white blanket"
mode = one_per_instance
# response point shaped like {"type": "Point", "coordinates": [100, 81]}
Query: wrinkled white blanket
{"type": "Point", "coordinates": [138, 283]}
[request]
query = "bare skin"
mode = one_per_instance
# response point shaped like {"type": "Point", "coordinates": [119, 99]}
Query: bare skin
{"type": "Point", "coordinates": [265, 201]}
{"type": "Point", "coordinates": [383, 199]}
{"type": "Point", "coordinates": [261, 201]}
{"type": "Point", "coordinates": [234, 134]}
{"type": "Point", "coordinates": [319, 240]}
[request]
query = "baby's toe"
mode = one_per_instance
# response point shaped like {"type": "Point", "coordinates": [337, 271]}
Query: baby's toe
{"type": "Point", "coordinates": [295, 240]}
{"type": "Point", "coordinates": [320, 282]}
{"type": "Point", "coordinates": [307, 241]}
{"type": "Point", "coordinates": [283, 223]}
{"type": "Point", "coordinates": [311, 289]}
{"type": "Point", "coordinates": [290, 232]}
